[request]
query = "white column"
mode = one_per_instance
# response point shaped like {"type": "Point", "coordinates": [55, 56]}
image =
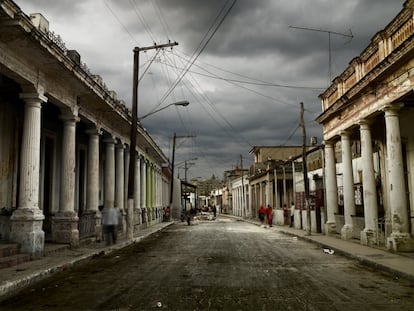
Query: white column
{"type": "Point", "coordinates": [109, 173]}
{"type": "Point", "coordinates": [27, 219]}
{"type": "Point", "coordinates": [331, 187]}
{"type": "Point", "coordinates": [368, 235]}
{"type": "Point", "coordinates": [126, 173]}
{"type": "Point", "coordinates": [400, 239]}
{"type": "Point", "coordinates": [268, 188]}
{"type": "Point", "coordinates": [119, 181]}
{"type": "Point", "coordinates": [92, 187]}
{"type": "Point", "coordinates": [65, 221]}
{"type": "Point", "coordinates": [143, 184]}
{"type": "Point", "coordinates": [348, 180]}
{"type": "Point", "coordinates": [276, 198]}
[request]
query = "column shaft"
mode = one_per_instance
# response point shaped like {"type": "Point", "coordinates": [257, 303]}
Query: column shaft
{"type": "Point", "coordinates": [331, 187]}
{"type": "Point", "coordinates": [109, 173]}
{"type": "Point", "coordinates": [119, 182]}
{"type": "Point", "coordinates": [65, 221]}
{"type": "Point", "coordinates": [400, 239]}
{"type": "Point", "coordinates": [92, 187]}
{"type": "Point", "coordinates": [348, 183]}
{"type": "Point", "coordinates": [368, 235]}
{"type": "Point", "coordinates": [27, 219]}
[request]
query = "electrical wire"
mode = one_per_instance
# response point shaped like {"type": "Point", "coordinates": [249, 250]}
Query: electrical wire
{"type": "Point", "coordinates": [200, 48]}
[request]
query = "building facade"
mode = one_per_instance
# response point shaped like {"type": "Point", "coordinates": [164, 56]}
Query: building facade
{"type": "Point", "coordinates": [367, 114]}
{"type": "Point", "coordinates": [64, 143]}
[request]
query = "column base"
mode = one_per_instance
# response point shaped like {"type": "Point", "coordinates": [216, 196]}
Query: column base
{"type": "Point", "coordinates": [65, 228]}
{"type": "Point", "coordinates": [400, 242]}
{"type": "Point", "coordinates": [98, 226]}
{"type": "Point", "coordinates": [330, 228]}
{"type": "Point", "coordinates": [26, 229]}
{"type": "Point", "coordinates": [346, 232]}
{"type": "Point", "coordinates": [369, 237]}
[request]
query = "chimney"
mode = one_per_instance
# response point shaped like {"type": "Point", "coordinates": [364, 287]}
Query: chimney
{"type": "Point", "coordinates": [313, 141]}
{"type": "Point", "coordinates": [74, 55]}
{"type": "Point", "coordinates": [40, 22]}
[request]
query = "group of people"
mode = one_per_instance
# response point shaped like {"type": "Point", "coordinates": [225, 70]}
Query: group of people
{"type": "Point", "coordinates": [266, 215]}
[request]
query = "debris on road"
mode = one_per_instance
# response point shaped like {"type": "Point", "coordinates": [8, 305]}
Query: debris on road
{"type": "Point", "coordinates": [328, 251]}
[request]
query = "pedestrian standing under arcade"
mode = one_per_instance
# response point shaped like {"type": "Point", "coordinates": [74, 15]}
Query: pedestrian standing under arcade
{"type": "Point", "coordinates": [110, 218]}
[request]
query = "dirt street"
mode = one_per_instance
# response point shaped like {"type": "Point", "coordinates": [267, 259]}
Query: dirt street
{"type": "Point", "coordinates": [218, 265]}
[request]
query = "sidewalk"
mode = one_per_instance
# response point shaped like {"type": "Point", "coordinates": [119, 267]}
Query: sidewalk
{"type": "Point", "coordinates": [400, 265]}
{"type": "Point", "coordinates": [15, 278]}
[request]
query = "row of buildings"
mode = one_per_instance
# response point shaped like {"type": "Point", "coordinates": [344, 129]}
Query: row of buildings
{"type": "Point", "coordinates": [361, 180]}
{"type": "Point", "coordinates": [65, 148]}
{"type": "Point", "coordinates": [65, 143]}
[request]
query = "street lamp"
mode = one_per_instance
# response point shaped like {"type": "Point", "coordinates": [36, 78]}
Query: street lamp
{"type": "Point", "coordinates": [183, 103]}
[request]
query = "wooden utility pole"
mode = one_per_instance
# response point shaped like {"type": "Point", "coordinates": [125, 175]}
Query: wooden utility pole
{"type": "Point", "coordinates": [133, 138]}
{"type": "Point", "coordinates": [172, 169]}
{"type": "Point", "coordinates": [305, 172]}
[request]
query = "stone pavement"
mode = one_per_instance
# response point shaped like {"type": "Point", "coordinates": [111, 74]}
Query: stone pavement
{"type": "Point", "coordinates": [400, 265]}
{"type": "Point", "coordinates": [17, 277]}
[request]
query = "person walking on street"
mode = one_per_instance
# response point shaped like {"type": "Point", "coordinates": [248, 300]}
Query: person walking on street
{"type": "Point", "coordinates": [269, 215]}
{"type": "Point", "coordinates": [262, 212]}
{"type": "Point", "coordinates": [292, 214]}
{"type": "Point", "coordinates": [110, 219]}
{"type": "Point", "coordinates": [214, 211]}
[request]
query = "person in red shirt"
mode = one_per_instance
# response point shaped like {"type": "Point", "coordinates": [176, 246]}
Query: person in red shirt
{"type": "Point", "coordinates": [262, 213]}
{"type": "Point", "coordinates": [269, 215]}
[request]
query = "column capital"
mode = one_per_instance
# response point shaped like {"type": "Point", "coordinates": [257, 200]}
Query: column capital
{"type": "Point", "coordinates": [345, 134]}
{"type": "Point", "coordinates": [93, 131]}
{"type": "Point", "coordinates": [365, 124]}
{"type": "Point", "coordinates": [109, 140]}
{"type": "Point", "coordinates": [33, 98]}
{"type": "Point", "coordinates": [120, 144]}
{"type": "Point", "coordinates": [392, 109]}
{"type": "Point", "coordinates": [69, 117]}
{"type": "Point", "coordinates": [329, 143]}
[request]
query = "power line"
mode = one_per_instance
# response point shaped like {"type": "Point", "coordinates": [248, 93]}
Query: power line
{"type": "Point", "coordinates": [201, 48]}
{"type": "Point", "coordinates": [119, 21]}
{"type": "Point", "coordinates": [258, 81]}
{"type": "Point", "coordinates": [214, 76]}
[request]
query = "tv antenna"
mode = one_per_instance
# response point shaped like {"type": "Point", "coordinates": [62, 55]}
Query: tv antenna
{"type": "Point", "coordinates": [350, 36]}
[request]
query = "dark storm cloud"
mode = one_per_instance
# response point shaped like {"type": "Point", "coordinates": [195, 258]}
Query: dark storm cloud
{"type": "Point", "coordinates": [254, 40]}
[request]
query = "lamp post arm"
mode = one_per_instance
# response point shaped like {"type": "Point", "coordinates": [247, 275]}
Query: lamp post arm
{"type": "Point", "coordinates": [155, 111]}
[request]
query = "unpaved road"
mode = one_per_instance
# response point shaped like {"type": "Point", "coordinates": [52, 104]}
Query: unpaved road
{"type": "Point", "coordinates": [218, 265]}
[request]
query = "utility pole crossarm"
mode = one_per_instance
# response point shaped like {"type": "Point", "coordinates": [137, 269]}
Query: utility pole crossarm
{"type": "Point", "coordinates": [155, 46]}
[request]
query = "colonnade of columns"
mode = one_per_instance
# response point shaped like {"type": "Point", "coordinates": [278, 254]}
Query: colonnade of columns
{"type": "Point", "coordinates": [27, 219]}
{"type": "Point", "coordinates": [400, 238]}
{"type": "Point", "coordinates": [239, 201]}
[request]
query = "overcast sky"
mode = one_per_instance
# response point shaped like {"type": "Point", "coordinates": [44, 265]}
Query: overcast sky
{"type": "Point", "coordinates": [246, 85]}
